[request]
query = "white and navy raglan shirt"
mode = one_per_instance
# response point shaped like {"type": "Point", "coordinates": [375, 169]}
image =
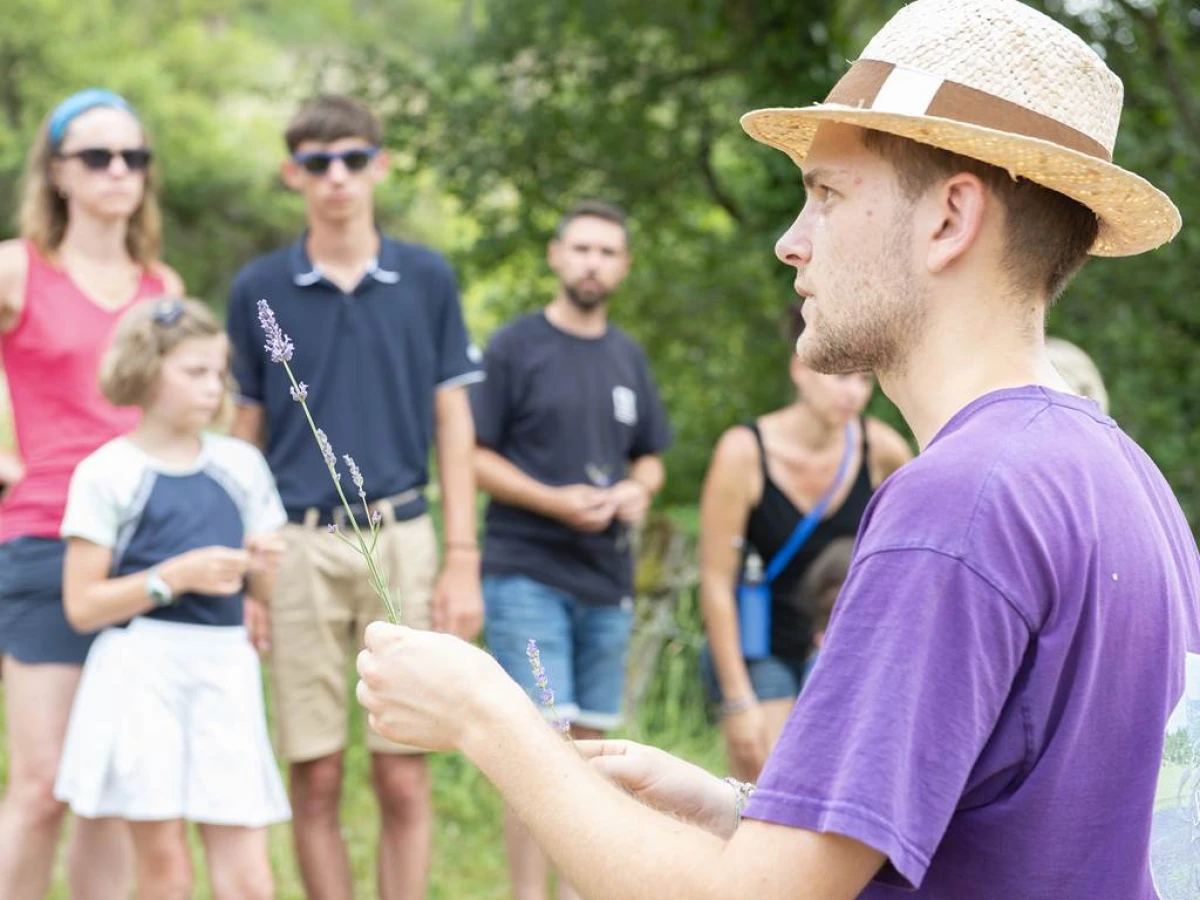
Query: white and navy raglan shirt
{"type": "Point", "coordinates": [147, 512]}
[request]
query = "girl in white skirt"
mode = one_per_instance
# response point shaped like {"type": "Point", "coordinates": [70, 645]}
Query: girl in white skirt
{"type": "Point", "coordinates": [171, 549]}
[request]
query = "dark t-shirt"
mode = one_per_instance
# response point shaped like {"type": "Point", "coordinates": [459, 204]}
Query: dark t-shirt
{"type": "Point", "coordinates": [565, 410]}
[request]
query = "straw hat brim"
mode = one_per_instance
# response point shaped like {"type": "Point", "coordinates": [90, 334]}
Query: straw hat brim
{"type": "Point", "coordinates": [1135, 216]}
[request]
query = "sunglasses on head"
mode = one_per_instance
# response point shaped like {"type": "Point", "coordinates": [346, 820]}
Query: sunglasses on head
{"type": "Point", "coordinates": [318, 162]}
{"type": "Point", "coordinates": [99, 158]}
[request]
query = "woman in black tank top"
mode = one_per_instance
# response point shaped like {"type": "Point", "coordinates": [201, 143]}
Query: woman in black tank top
{"type": "Point", "coordinates": [763, 478]}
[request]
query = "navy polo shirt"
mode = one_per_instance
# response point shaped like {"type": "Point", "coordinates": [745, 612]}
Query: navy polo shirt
{"type": "Point", "coordinates": [372, 359]}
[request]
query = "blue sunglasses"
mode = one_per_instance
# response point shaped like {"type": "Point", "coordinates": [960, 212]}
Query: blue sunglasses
{"type": "Point", "coordinates": [318, 162]}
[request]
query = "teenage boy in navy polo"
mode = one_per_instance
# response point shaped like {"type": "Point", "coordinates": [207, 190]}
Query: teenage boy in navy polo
{"type": "Point", "coordinates": [381, 343]}
{"type": "Point", "coordinates": [570, 428]}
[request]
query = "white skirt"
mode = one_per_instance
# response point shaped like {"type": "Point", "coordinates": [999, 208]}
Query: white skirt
{"type": "Point", "coordinates": [169, 723]}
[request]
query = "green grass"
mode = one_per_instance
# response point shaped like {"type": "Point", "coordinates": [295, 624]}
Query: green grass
{"type": "Point", "coordinates": [468, 856]}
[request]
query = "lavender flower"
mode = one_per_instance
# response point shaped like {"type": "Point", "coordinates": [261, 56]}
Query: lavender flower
{"type": "Point", "coordinates": [376, 518]}
{"type": "Point", "coordinates": [328, 454]}
{"type": "Point", "coordinates": [331, 528]}
{"type": "Point", "coordinates": [280, 348]}
{"type": "Point", "coordinates": [355, 476]}
{"type": "Point", "coordinates": [279, 345]}
{"type": "Point", "coordinates": [543, 683]}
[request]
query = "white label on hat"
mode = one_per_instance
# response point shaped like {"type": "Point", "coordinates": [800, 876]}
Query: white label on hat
{"type": "Point", "coordinates": [906, 91]}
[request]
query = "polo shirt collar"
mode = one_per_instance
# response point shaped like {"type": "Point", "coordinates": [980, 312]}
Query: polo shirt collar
{"type": "Point", "coordinates": [383, 268]}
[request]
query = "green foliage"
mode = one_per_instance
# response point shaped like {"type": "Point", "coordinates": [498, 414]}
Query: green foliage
{"type": "Point", "coordinates": [1179, 749]}
{"type": "Point", "coordinates": [542, 104]}
{"type": "Point", "coordinates": [635, 102]}
{"type": "Point", "coordinates": [196, 82]}
{"type": "Point", "coordinates": [215, 81]}
{"type": "Point", "coordinates": [1139, 317]}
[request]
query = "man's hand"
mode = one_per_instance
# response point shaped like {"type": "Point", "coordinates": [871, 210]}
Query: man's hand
{"type": "Point", "coordinates": [425, 689]}
{"type": "Point", "coordinates": [665, 782]}
{"type": "Point", "coordinates": [632, 499]}
{"type": "Point", "coordinates": [266, 550]}
{"type": "Point", "coordinates": [458, 597]}
{"type": "Point", "coordinates": [257, 619]}
{"type": "Point", "coordinates": [585, 508]}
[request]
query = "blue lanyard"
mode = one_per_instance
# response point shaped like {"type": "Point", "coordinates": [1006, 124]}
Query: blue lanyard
{"type": "Point", "coordinates": [808, 524]}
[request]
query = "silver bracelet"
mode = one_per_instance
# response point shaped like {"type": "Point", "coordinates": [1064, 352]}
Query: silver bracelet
{"type": "Point", "coordinates": [741, 795]}
{"type": "Point", "coordinates": [733, 707]}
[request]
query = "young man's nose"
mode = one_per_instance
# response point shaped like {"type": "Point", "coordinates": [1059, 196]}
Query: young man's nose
{"type": "Point", "coordinates": [338, 171]}
{"type": "Point", "coordinates": [794, 247]}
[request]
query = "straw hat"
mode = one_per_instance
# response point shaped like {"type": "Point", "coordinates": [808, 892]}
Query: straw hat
{"type": "Point", "coordinates": [996, 81]}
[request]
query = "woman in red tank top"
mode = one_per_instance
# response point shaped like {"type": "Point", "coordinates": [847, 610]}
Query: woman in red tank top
{"type": "Point", "coordinates": [88, 250]}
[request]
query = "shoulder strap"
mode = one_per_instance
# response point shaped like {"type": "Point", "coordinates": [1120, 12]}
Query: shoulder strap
{"type": "Point", "coordinates": [808, 524]}
{"type": "Point", "coordinates": [762, 450]}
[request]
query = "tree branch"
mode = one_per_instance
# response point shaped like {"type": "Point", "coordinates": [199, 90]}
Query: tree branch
{"type": "Point", "coordinates": [720, 195]}
{"type": "Point", "coordinates": [704, 70]}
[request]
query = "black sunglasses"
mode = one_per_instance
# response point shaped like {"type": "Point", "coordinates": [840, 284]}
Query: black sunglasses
{"type": "Point", "coordinates": [99, 158]}
{"type": "Point", "coordinates": [318, 162]}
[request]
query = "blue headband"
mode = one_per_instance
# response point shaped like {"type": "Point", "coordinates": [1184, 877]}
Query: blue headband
{"type": "Point", "coordinates": [77, 104]}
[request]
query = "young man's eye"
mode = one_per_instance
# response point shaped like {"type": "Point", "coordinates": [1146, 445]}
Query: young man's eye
{"type": "Point", "coordinates": [819, 193]}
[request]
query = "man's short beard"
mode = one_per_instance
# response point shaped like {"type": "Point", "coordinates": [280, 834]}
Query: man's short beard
{"type": "Point", "coordinates": [878, 345]}
{"type": "Point", "coordinates": [585, 300]}
{"type": "Point", "coordinates": [889, 317]}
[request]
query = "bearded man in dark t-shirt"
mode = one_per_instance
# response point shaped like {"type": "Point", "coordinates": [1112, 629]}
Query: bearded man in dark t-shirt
{"type": "Point", "coordinates": [569, 428]}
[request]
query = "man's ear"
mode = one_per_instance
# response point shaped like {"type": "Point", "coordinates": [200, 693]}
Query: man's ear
{"type": "Point", "coordinates": [952, 217]}
{"type": "Point", "coordinates": [292, 175]}
{"type": "Point", "coordinates": [381, 164]}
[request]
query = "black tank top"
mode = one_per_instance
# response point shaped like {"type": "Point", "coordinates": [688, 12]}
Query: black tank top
{"type": "Point", "coordinates": [769, 526]}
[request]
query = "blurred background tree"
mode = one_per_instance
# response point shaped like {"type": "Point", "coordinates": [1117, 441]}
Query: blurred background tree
{"type": "Point", "coordinates": [540, 104]}
{"type": "Point", "coordinates": [500, 113]}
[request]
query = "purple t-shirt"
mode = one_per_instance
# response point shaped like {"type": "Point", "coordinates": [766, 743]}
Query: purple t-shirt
{"type": "Point", "coordinates": [1004, 663]}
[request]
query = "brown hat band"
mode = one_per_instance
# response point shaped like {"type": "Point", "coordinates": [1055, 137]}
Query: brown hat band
{"type": "Point", "coordinates": [885, 87]}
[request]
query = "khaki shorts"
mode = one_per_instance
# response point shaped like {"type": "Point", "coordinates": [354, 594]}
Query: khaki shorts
{"type": "Point", "coordinates": [322, 604]}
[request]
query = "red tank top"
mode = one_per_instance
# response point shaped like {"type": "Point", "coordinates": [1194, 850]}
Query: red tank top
{"type": "Point", "coordinates": [51, 360]}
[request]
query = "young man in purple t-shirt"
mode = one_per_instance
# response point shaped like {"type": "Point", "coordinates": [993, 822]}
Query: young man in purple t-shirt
{"type": "Point", "coordinates": [1011, 650]}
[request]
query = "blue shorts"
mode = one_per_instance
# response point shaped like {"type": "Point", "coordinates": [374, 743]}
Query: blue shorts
{"type": "Point", "coordinates": [33, 626]}
{"type": "Point", "coordinates": [582, 646]}
{"type": "Point", "coordinates": [771, 677]}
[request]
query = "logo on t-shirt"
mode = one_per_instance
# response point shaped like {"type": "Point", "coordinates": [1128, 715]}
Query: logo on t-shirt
{"type": "Point", "coordinates": [625, 406]}
{"type": "Point", "coordinates": [1175, 828]}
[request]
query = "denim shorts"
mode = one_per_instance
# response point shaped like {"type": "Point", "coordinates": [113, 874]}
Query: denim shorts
{"type": "Point", "coordinates": [771, 677]}
{"type": "Point", "coordinates": [583, 646]}
{"type": "Point", "coordinates": [33, 626]}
